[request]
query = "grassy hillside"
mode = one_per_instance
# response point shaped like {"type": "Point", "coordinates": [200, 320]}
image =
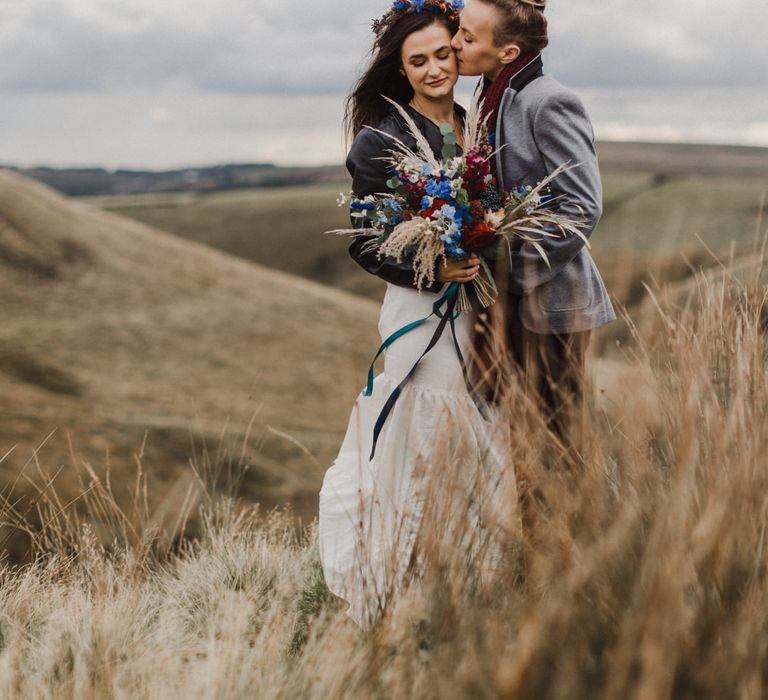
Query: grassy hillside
{"type": "Point", "coordinates": [135, 344]}
{"type": "Point", "coordinates": [659, 201]}
{"type": "Point", "coordinates": [637, 570]}
{"type": "Point", "coordinates": [644, 576]}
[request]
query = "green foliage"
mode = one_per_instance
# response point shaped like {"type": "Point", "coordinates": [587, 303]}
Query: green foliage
{"type": "Point", "coordinates": [313, 597]}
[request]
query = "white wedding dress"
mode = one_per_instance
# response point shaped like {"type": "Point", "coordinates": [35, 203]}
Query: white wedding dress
{"type": "Point", "coordinates": [369, 511]}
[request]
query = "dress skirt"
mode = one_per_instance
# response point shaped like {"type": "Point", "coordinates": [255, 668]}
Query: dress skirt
{"type": "Point", "coordinates": [370, 511]}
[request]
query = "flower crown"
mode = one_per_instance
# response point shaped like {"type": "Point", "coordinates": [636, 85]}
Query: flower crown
{"type": "Point", "coordinates": [400, 8]}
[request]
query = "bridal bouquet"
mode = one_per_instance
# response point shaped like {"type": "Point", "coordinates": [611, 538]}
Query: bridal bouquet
{"type": "Point", "coordinates": [439, 209]}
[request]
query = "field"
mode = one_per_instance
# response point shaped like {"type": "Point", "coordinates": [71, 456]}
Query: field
{"type": "Point", "coordinates": [659, 204]}
{"type": "Point", "coordinates": [165, 383]}
{"type": "Point", "coordinates": [646, 577]}
{"type": "Point", "coordinates": [122, 344]}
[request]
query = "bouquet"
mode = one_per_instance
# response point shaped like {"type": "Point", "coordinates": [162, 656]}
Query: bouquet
{"type": "Point", "coordinates": [438, 209]}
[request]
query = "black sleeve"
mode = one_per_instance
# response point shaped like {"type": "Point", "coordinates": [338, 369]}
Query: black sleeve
{"type": "Point", "coordinates": [369, 176]}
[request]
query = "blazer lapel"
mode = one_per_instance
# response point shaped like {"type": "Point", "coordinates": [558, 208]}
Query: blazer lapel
{"type": "Point", "coordinates": [506, 98]}
{"type": "Point", "coordinates": [527, 74]}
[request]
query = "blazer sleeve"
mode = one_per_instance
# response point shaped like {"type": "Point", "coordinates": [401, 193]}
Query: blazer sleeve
{"type": "Point", "coordinates": [563, 134]}
{"type": "Point", "coordinates": [369, 176]}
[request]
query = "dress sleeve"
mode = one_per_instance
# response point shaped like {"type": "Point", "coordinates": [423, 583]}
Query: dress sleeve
{"type": "Point", "coordinates": [369, 176]}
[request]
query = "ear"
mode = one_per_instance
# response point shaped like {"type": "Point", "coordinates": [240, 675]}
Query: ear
{"type": "Point", "coordinates": [402, 72]}
{"type": "Point", "coordinates": [509, 53]}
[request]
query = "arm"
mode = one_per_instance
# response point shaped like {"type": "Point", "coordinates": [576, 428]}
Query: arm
{"type": "Point", "coordinates": [563, 134]}
{"type": "Point", "coordinates": [369, 176]}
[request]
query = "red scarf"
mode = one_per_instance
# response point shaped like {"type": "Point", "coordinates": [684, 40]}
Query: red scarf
{"type": "Point", "coordinates": [490, 343]}
{"type": "Point", "coordinates": [493, 90]}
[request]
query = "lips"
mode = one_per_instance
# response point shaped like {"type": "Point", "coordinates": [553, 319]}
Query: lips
{"type": "Point", "coordinates": [437, 83]}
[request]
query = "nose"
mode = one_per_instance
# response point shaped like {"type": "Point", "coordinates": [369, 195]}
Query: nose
{"type": "Point", "coordinates": [434, 69]}
{"type": "Point", "coordinates": [456, 43]}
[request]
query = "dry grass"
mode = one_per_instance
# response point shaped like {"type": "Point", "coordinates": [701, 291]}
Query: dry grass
{"type": "Point", "coordinates": [115, 335]}
{"type": "Point", "coordinates": [645, 574]}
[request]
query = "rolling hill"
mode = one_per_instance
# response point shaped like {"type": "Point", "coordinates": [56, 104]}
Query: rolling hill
{"type": "Point", "coordinates": [131, 344]}
{"type": "Point", "coordinates": [660, 202]}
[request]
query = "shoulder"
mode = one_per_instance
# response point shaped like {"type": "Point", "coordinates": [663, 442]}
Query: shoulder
{"type": "Point", "coordinates": [373, 139]}
{"type": "Point", "coordinates": [368, 138]}
{"type": "Point", "coordinates": [549, 96]}
{"type": "Point", "coordinates": [369, 145]}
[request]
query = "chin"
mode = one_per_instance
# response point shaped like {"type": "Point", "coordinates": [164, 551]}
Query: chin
{"type": "Point", "coordinates": [442, 91]}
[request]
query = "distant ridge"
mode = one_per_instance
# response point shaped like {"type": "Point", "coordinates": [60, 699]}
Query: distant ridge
{"type": "Point", "coordinates": [662, 158]}
{"type": "Point", "coordinates": [683, 159]}
{"type": "Point", "coordinates": [81, 182]}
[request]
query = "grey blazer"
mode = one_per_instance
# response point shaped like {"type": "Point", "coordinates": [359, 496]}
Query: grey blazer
{"type": "Point", "coordinates": [539, 128]}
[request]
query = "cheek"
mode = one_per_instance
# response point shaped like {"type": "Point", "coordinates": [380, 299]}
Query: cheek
{"type": "Point", "coordinates": [413, 73]}
{"type": "Point", "coordinates": [476, 54]}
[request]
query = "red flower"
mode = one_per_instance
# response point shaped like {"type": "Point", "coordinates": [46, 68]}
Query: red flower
{"type": "Point", "coordinates": [477, 237]}
{"type": "Point", "coordinates": [437, 204]}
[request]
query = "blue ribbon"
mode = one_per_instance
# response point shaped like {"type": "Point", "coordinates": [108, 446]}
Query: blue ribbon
{"type": "Point", "coordinates": [451, 292]}
{"type": "Point", "coordinates": [449, 298]}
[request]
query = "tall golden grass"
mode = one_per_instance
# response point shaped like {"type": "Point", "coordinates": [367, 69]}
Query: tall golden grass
{"type": "Point", "coordinates": [645, 575]}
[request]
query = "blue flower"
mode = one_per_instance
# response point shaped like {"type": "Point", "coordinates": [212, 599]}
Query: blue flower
{"type": "Point", "coordinates": [392, 204]}
{"type": "Point", "coordinates": [370, 206]}
{"type": "Point", "coordinates": [419, 5]}
{"type": "Point", "coordinates": [452, 236]}
{"type": "Point", "coordinates": [448, 211]}
{"type": "Point", "coordinates": [458, 4]}
{"type": "Point", "coordinates": [426, 170]}
{"type": "Point", "coordinates": [462, 213]}
{"type": "Point", "coordinates": [453, 247]}
{"type": "Point", "coordinates": [426, 202]}
{"type": "Point", "coordinates": [438, 188]}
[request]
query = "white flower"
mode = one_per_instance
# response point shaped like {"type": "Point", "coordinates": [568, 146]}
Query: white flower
{"type": "Point", "coordinates": [494, 219]}
{"type": "Point", "coordinates": [342, 199]}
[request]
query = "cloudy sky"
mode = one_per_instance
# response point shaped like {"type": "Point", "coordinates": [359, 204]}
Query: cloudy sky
{"type": "Point", "coordinates": [163, 83]}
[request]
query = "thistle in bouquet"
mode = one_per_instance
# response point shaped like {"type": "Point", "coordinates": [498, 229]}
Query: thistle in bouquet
{"type": "Point", "coordinates": [450, 208]}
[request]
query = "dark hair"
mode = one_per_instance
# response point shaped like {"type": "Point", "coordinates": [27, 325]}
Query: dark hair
{"type": "Point", "coordinates": [365, 105]}
{"type": "Point", "coordinates": [523, 23]}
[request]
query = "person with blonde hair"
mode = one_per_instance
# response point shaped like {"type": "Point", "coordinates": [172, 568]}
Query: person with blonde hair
{"type": "Point", "coordinates": [551, 306]}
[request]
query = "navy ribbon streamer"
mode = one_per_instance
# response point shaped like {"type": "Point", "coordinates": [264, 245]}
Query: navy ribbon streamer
{"type": "Point", "coordinates": [450, 298]}
{"type": "Point", "coordinates": [451, 292]}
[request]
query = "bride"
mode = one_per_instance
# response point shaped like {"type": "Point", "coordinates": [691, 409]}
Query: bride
{"type": "Point", "coordinates": [371, 507]}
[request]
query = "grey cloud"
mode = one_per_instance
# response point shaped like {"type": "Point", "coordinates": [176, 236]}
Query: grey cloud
{"type": "Point", "coordinates": [292, 46]}
{"type": "Point", "coordinates": [692, 42]}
